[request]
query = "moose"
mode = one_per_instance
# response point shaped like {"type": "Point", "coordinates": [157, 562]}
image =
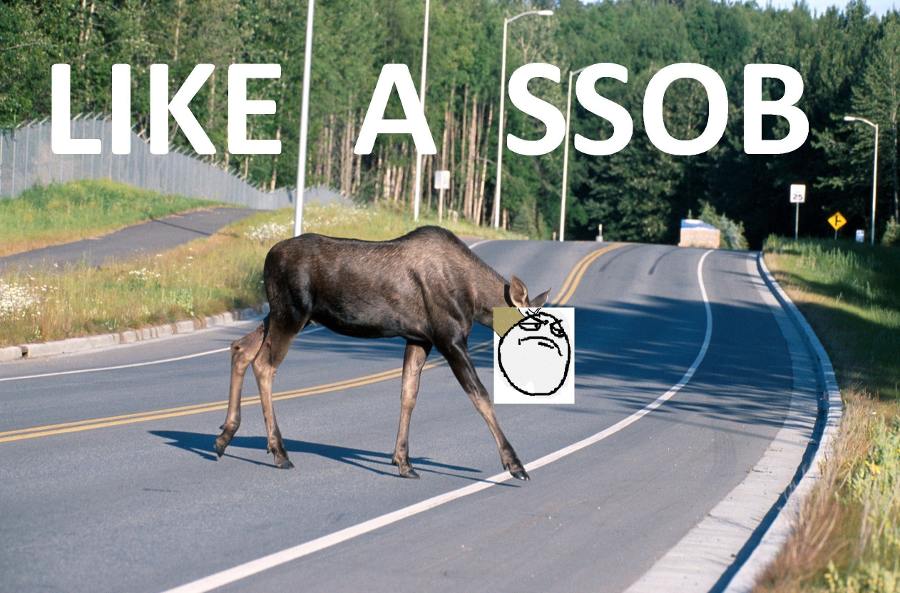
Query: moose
{"type": "Point", "coordinates": [427, 287]}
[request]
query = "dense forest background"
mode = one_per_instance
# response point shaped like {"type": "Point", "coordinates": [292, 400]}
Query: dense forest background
{"type": "Point", "coordinates": [849, 60]}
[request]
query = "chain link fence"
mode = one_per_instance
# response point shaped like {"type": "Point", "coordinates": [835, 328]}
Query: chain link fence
{"type": "Point", "coordinates": [26, 159]}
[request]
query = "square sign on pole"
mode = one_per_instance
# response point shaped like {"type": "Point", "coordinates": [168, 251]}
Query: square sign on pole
{"type": "Point", "coordinates": [441, 182]}
{"type": "Point", "coordinates": [442, 179]}
{"type": "Point", "coordinates": [798, 196]}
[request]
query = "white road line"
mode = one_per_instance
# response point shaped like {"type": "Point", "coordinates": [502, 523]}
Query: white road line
{"type": "Point", "coordinates": [710, 548]}
{"type": "Point", "coordinates": [247, 569]}
{"type": "Point", "coordinates": [482, 242]}
{"type": "Point", "coordinates": [134, 364]}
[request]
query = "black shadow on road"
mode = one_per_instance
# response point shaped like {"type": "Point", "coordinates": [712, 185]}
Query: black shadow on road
{"type": "Point", "coordinates": [202, 445]}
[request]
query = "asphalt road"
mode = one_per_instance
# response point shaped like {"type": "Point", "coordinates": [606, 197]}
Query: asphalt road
{"type": "Point", "coordinates": [141, 504]}
{"type": "Point", "coordinates": [149, 237]}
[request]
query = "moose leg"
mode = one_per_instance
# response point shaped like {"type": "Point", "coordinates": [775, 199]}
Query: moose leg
{"type": "Point", "coordinates": [461, 363]}
{"type": "Point", "coordinates": [242, 353]}
{"type": "Point", "coordinates": [274, 348]}
{"type": "Point", "coordinates": [413, 361]}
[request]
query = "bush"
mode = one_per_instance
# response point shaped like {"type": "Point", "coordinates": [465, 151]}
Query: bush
{"type": "Point", "coordinates": [891, 236]}
{"type": "Point", "coordinates": [732, 232]}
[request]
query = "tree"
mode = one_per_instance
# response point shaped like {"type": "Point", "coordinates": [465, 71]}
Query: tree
{"type": "Point", "coordinates": [878, 98]}
{"type": "Point", "coordinates": [848, 60]}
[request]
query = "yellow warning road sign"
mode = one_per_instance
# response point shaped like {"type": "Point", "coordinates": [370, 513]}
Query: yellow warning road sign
{"type": "Point", "coordinates": [837, 220]}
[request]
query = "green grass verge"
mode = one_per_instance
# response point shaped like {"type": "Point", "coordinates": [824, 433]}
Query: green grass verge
{"type": "Point", "coordinates": [850, 293]}
{"type": "Point", "coordinates": [847, 537]}
{"type": "Point", "coordinates": [58, 213]}
{"type": "Point", "coordinates": [203, 277]}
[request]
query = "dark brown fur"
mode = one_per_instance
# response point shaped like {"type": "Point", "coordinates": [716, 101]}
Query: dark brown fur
{"type": "Point", "coordinates": [427, 287]}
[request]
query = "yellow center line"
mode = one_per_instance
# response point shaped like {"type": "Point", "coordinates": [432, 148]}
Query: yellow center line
{"type": "Point", "coordinates": [574, 278]}
{"type": "Point", "coordinates": [568, 290]}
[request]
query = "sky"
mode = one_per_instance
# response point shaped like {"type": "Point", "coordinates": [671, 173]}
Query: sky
{"type": "Point", "coordinates": [879, 7]}
{"type": "Point", "coordinates": [819, 6]}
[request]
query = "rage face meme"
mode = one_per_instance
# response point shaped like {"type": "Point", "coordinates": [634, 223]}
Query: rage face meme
{"type": "Point", "coordinates": [533, 355]}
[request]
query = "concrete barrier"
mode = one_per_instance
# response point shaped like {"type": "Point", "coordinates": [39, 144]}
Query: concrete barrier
{"type": "Point", "coordinates": [10, 353]}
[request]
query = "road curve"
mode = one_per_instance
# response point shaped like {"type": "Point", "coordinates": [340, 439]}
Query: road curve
{"type": "Point", "coordinates": [141, 504]}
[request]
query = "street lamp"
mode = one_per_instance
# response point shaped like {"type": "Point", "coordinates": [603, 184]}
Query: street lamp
{"type": "Point", "coordinates": [565, 172]}
{"type": "Point", "coordinates": [418, 197]}
{"type": "Point", "coordinates": [304, 121]}
{"type": "Point", "coordinates": [852, 118]}
{"type": "Point", "coordinates": [506, 23]}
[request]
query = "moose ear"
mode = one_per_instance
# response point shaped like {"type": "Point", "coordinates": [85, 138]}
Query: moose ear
{"type": "Point", "coordinates": [540, 300]}
{"type": "Point", "coordinates": [518, 294]}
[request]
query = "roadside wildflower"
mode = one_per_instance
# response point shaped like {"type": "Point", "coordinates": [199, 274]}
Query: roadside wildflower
{"type": "Point", "coordinates": [873, 467]}
{"type": "Point", "coordinates": [268, 232]}
{"type": "Point", "coordinates": [144, 274]}
{"type": "Point", "coordinates": [333, 216]}
{"type": "Point", "coordinates": [16, 300]}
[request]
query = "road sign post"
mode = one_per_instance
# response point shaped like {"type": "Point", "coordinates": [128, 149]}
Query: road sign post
{"type": "Point", "coordinates": [796, 219]}
{"type": "Point", "coordinates": [798, 196]}
{"type": "Point", "coordinates": [441, 182]}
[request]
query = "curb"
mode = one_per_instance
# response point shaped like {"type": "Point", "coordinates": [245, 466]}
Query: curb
{"type": "Point", "coordinates": [130, 336]}
{"type": "Point", "coordinates": [831, 408]}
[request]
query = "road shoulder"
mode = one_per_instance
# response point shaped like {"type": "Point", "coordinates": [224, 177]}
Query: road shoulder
{"type": "Point", "coordinates": [729, 548]}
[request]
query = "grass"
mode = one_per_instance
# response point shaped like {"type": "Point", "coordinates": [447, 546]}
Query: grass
{"type": "Point", "coordinates": [850, 293]}
{"type": "Point", "coordinates": [847, 537]}
{"type": "Point", "coordinates": [58, 213]}
{"type": "Point", "coordinates": [200, 278]}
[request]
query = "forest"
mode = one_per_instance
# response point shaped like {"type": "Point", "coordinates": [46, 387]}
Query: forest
{"type": "Point", "coordinates": [849, 60]}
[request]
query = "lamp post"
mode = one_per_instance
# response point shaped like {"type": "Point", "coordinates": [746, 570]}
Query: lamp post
{"type": "Point", "coordinates": [565, 172]}
{"type": "Point", "coordinates": [497, 185]}
{"type": "Point", "coordinates": [418, 187]}
{"type": "Point", "coordinates": [304, 121]}
{"type": "Point", "coordinates": [852, 118]}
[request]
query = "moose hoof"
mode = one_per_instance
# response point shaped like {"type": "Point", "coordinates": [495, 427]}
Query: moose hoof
{"type": "Point", "coordinates": [518, 472]}
{"type": "Point", "coordinates": [220, 448]}
{"type": "Point", "coordinates": [284, 464]}
{"type": "Point", "coordinates": [408, 472]}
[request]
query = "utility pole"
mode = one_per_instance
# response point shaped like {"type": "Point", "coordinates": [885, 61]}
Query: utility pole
{"type": "Point", "coordinates": [499, 182]}
{"type": "Point", "coordinates": [304, 121]}
{"type": "Point", "coordinates": [418, 188]}
{"type": "Point", "coordinates": [874, 171]}
{"type": "Point", "coordinates": [565, 171]}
